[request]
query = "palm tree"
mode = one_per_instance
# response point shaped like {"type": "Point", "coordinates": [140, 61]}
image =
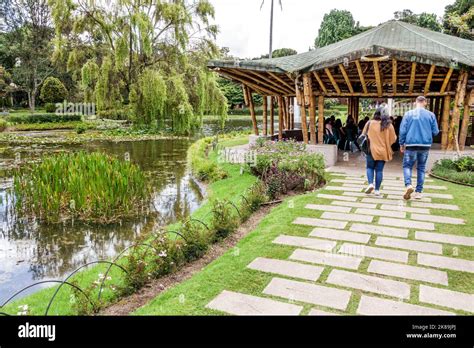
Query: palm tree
{"type": "Point", "coordinates": [271, 24]}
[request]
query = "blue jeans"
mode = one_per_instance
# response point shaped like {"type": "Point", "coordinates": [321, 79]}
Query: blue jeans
{"type": "Point", "coordinates": [409, 159]}
{"type": "Point", "coordinates": [375, 167]}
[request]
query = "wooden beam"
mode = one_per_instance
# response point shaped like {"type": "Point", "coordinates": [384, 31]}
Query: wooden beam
{"type": "Point", "coordinates": [412, 78]}
{"type": "Point", "coordinates": [246, 95]}
{"type": "Point", "coordinates": [375, 94]}
{"type": "Point", "coordinates": [279, 87]}
{"type": "Point", "coordinates": [320, 82]}
{"type": "Point", "coordinates": [280, 118]}
{"type": "Point", "coordinates": [252, 112]}
{"type": "Point", "coordinates": [304, 127]}
{"type": "Point", "coordinates": [346, 78]}
{"type": "Point", "coordinates": [378, 79]}
{"type": "Point", "coordinates": [278, 78]}
{"type": "Point", "coordinates": [458, 102]}
{"type": "Point", "coordinates": [429, 78]}
{"type": "Point", "coordinates": [320, 120]}
{"type": "Point", "coordinates": [272, 116]}
{"type": "Point", "coordinates": [255, 87]}
{"type": "Point", "coordinates": [394, 75]}
{"type": "Point", "coordinates": [333, 82]}
{"type": "Point", "coordinates": [445, 122]}
{"type": "Point", "coordinates": [361, 76]}
{"type": "Point", "coordinates": [257, 80]}
{"type": "Point", "coordinates": [446, 80]}
{"type": "Point", "coordinates": [265, 115]}
{"type": "Point", "coordinates": [465, 121]}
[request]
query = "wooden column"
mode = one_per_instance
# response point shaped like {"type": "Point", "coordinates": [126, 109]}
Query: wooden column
{"type": "Point", "coordinates": [272, 116]}
{"type": "Point", "coordinates": [304, 127]}
{"type": "Point", "coordinates": [284, 112]}
{"type": "Point", "coordinates": [320, 119]}
{"type": "Point", "coordinates": [280, 118]}
{"type": "Point", "coordinates": [292, 113]}
{"type": "Point", "coordinates": [265, 107]}
{"type": "Point", "coordinates": [465, 120]}
{"type": "Point", "coordinates": [445, 122]}
{"type": "Point", "coordinates": [309, 100]}
{"type": "Point", "coordinates": [349, 106]}
{"type": "Point", "coordinates": [437, 102]}
{"type": "Point", "coordinates": [458, 102]}
{"type": "Point", "coordinates": [252, 111]}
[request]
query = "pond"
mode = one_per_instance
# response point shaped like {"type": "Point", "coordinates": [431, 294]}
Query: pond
{"type": "Point", "coordinates": [31, 252]}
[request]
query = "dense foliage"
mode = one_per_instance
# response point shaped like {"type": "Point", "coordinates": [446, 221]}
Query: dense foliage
{"type": "Point", "coordinates": [53, 90]}
{"type": "Point", "coordinates": [42, 118]}
{"type": "Point", "coordinates": [459, 170]}
{"type": "Point", "coordinates": [458, 19]}
{"type": "Point", "coordinates": [424, 20]}
{"type": "Point", "coordinates": [84, 186]}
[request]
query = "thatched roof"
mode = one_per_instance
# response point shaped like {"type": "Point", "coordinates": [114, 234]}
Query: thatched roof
{"type": "Point", "coordinates": [400, 40]}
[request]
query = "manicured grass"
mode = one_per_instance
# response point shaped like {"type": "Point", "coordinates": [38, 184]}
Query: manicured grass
{"type": "Point", "coordinates": [229, 272]}
{"type": "Point", "coordinates": [49, 126]}
{"type": "Point", "coordinates": [230, 188]}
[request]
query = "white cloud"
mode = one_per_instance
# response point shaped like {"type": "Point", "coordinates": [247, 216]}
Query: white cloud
{"type": "Point", "coordinates": [245, 29]}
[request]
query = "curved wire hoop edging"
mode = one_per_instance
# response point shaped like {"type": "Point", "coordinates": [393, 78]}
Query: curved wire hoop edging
{"type": "Point", "coordinates": [201, 222]}
{"type": "Point", "coordinates": [238, 211]}
{"type": "Point", "coordinates": [44, 282]}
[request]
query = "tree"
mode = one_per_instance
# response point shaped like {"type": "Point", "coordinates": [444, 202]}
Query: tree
{"type": "Point", "coordinates": [53, 90]}
{"type": "Point", "coordinates": [337, 25]}
{"type": "Point", "coordinates": [458, 19]}
{"type": "Point", "coordinates": [424, 20]}
{"type": "Point", "coordinates": [125, 40]}
{"type": "Point", "coordinates": [281, 52]}
{"type": "Point", "coordinates": [6, 87]}
{"type": "Point", "coordinates": [27, 32]}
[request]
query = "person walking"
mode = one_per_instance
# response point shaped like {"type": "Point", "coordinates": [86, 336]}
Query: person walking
{"type": "Point", "coordinates": [417, 130]}
{"type": "Point", "coordinates": [381, 136]}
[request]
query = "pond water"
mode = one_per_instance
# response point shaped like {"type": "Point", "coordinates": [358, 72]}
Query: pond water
{"type": "Point", "coordinates": [31, 252]}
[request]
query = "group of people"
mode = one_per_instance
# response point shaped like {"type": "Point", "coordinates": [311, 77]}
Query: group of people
{"type": "Point", "coordinates": [415, 137]}
{"type": "Point", "coordinates": [337, 133]}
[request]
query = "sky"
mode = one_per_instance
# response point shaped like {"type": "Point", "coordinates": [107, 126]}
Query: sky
{"type": "Point", "coordinates": [244, 28]}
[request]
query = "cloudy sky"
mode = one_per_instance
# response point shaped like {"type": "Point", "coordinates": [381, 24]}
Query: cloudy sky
{"type": "Point", "coordinates": [245, 29]}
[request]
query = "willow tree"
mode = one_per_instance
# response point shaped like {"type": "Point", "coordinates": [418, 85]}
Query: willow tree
{"type": "Point", "coordinates": [142, 54]}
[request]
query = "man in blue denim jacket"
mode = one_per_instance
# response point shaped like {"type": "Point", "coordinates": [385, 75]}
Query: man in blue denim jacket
{"type": "Point", "coordinates": [417, 130]}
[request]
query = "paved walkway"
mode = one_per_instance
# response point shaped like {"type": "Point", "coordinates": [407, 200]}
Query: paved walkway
{"type": "Point", "coordinates": [383, 249]}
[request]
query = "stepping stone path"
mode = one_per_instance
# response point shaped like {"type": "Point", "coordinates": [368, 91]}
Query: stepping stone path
{"type": "Point", "coordinates": [386, 251]}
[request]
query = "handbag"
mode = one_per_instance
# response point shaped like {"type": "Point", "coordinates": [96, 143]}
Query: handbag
{"type": "Point", "coordinates": [364, 142]}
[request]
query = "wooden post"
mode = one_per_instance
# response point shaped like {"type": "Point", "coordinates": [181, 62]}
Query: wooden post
{"type": "Point", "coordinates": [265, 128]}
{"type": "Point", "coordinates": [309, 100]}
{"type": "Point", "coordinates": [304, 127]}
{"type": "Point", "coordinates": [252, 111]}
{"type": "Point", "coordinates": [437, 102]}
{"type": "Point", "coordinates": [292, 113]}
{"type": "Point", "coordinates": [272, 116]}
{"type": "Point", "coordinates": [284, 114]}
{"type": "Point", "coordinates": [349, 106]}
{"type": "Point", "coordinates": [458, 102]}
{"type": "Point", "coordinates": [445, 122]}
{"type": "Point", "coordinates": [356, 110]}
{"type": "Point", "coordinates": [321, 119]}
{"type": "Point", "coordinates": [465, 120]}
{"type": "Point", "coordinates": [280, 117]}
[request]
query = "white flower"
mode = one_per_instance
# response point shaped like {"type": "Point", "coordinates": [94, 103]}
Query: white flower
{"type": "Point", "coordinates": [101, 276]}
{"type": "Point", "coordinates": [23, 307]}
{"type": "Point", "coordinates": [162, 253]}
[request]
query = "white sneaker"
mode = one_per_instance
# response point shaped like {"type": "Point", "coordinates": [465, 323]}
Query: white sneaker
{"type": "Point", "coordinates": [377, 193]}
{"type": "Point", "coordinates": [369, 189]}
{"type": "Point", "coordinates": [408, 192]}
{"type": "Point", "coordinates": [418, 195]}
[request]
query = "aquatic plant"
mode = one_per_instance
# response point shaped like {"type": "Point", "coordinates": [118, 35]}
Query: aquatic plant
{"type": "Point", "coordinates": [85, 186]}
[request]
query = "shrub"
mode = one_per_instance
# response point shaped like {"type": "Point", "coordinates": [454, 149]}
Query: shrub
{"type": "Point", "coordinates": [203, 168]}
{"type": "Point", "coordinates": [197, 241]}
{"type": "Point", "coordinates": [115, 114]}
{"type": "Point", "coordinates": [224, 219]}
{"type": "Point", "coordinates": [86, 186]}
{"type": "Point", "coordinates": [81, 128]}
{"type": "Point", "coordinates": [50, 107]}
{"type": "Point", "coordinates": [3, 125]}
{"type": "Point", "coordinates": [42, 118]}
{"type": "Point", "coordinates": [253, 199]}
{"type": "Point", "coordinates": [287, 166]}
{"type": "Point", "coordinates": [460, 170]}
{"type": "Point", "coordinates": [53, 90]}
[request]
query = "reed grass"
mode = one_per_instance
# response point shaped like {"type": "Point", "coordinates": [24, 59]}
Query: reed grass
{"type": "Point", "coordinates": [93, 187]}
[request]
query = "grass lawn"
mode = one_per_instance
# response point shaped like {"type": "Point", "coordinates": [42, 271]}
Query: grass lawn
{"type": "Point", "coordinates": [230, 188]}
{"type": "Point", "coordinates": [229, 272]}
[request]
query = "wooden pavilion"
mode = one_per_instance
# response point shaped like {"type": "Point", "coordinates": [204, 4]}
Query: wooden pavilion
{"type": "Point", "coordinates": [393, 60]}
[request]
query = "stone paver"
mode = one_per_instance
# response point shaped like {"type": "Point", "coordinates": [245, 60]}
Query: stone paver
{"type": "Point", "coordinates": [340, 235]}
{"type": "Point", "coordinates": [444, 238]}
{"type": "Point", "coordinates": [340, 188]}
{"type": "Point", "coordinates": [308, 293]}
{"type": "Point", "coordinates": [350, 181]}
{"type": "Point", "coordinates": [380, 230]}
{"type": "Point", "coordinates": [407, 244]}
{"type": "Point", "coordinates": [286, 268]}
{"type": "Point", "coordinates": [435, 205]}
{"type": "Point", "coordinates": [328, 259]}
{"type": "Point", "coordinates": [241, 304]}
{"type": "Point", "coordinates": [310, 243]}
{"type": "Point", "coordinates": [347, 217]}
{"type": "Point", "coordinates": [355, 194]}
{"type": "Point", "coordinates": [374, 252]}
{"type": "Point", "coordinates": [320, 223]}
{"type": "Point", "coordinates": [447, 298]}
{"type": "Point", "coordinates": [383, 201]}
{"type": "Point", "coordinates": [438, 195]}
{"type": "Point", "coordinates": [355, 204]}
{"type": "Point", "coordinates": [408, 272]}
{"type": "Point", "coordinates": [341, 198]}
{"type": "Point", "coordinates": [406, 223]}
{"type": "Point", "coordinates": [437, 218]}
{"type": "Point", "coordinates": [446, 263]}
{"type": "Point", "coordinates": [386, 213]}
{"type": "Point", "coordinates": [318, 312]}
{"type": "Point", "coordinates": [405, 209]}
{"type": "Point", "coordinates": [400, 197]}
{"type": "Point", "coordinates": [332, 208]}
{"type": "Point", "coordinates": [377, 306]}
{"type": "Point", "coordinates": [369, 283]}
